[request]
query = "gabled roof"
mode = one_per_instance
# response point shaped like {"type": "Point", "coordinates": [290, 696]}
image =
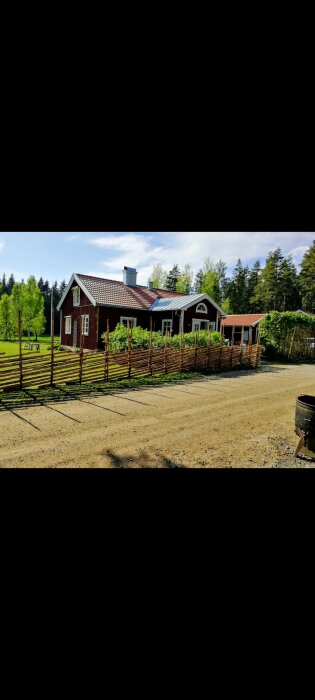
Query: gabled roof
{"type": "Point", "coordinates": [242, 320]}
{"type": "Point", "coordinates": [104, 292]}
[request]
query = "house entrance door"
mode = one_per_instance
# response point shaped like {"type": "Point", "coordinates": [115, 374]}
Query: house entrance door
{"type": "Point", "coordinates": [75, 333]}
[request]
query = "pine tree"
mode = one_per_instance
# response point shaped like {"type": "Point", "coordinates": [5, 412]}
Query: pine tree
{"type": "Point", "coordinates": [46, 292]}
{"type": "Point", "coordinates": [172, 278]}
{"type": "Point", "coordinates": [268, 293]}
{"type": "Point", "coordinates": [252, 281]}
{"type": "Point", "coordinates": [4, 284]}
{"type": "Point", "coordinates": [198, 281]}
{"type": "Point", "coordinates": [307, 280]}
{"type": "Point", "coordinates": [10, 284]}
{"type": "Point", "coordinates": [238, 289]}
{"type": "Point", "coordinates": [288, 286]}
{"type": "Point", "coordinates": [221, 270]}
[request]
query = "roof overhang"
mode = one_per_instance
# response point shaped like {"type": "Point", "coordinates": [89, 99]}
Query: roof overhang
{"type": "Point", "coordinates": [75, 278]}
{"type": "Point", "coordinates": [256, 322]}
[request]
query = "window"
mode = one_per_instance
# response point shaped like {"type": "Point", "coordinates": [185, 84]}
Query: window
{"type": "Point", "coordinates": [85, 325]}
{"type": "Point", "coordinates": [68, 325]}
{"type": "Point", "coordinates": [199, 325]}
{"type": "Point", "coordinates": [128, 321]}
{"type": "Point", "coordinates": [166, 324]}
{"type": "Point", "coordinates": [76, 296]}
{"type": "Point", "coordinates": [201, 309]}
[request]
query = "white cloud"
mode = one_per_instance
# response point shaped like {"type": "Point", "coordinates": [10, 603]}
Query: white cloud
{"type": "Point", "coordinates": [2, 244]}
{"type": "Point", "coordinates": [144, 250]}
{"type": "Point", "coordinates": [298, 253]}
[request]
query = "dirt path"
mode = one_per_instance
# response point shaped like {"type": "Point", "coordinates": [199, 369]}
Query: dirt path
{"type": "Point", "coordinates": [239, 419]}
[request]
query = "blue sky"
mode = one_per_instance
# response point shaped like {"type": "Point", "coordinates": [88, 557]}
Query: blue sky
{"type": "Point", "coordinates": [54, 256]}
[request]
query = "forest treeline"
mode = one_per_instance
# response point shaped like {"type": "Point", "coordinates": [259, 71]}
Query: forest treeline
{"type": "Point", "coordinates": [278, 286]}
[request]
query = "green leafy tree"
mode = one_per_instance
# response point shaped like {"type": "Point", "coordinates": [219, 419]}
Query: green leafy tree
{"type": "Point", "coordinates": [211, 285]}
{"type": "Point", "coordinates": [7, 321]}
{"type": "Point", "coordinates": [33, 308]}
{"type": "Point", "coordinates": [28, 300]}
{"type": "Point", "coordinates": [226, 306]}
{"type": "Point", "coordinates": [307, 279]}
{"type": "Point", "coordinates": [158, 277]}
{"type": "Point", "coordinates": [184, 281]}
{"type": "Point", "coordinates": [172, 277]}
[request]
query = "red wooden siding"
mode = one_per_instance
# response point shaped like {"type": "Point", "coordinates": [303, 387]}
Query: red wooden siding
{"type": "Point", "coordinates": [85, 308]}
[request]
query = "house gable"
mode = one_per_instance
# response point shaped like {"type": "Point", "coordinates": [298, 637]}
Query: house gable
{"type": "Point", "coordinates": [75, 278]}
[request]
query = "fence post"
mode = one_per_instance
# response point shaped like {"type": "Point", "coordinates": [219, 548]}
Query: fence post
{"type": "Point", "coordinates": [165, 352]}
{"type": "Point", "coordinates": [107, 351]}
{"type": "Point", "coordinates": [52, 339]}
{"type": "Point", "coordinates": [81, 351]}
{"type": "Point", "coordinates": [20, 349]}
{"type": "Point", "coordinates": [209, 343]}
{"type": "Point", "coordinates": [291, 343]}
{"type": "Point", "coordinates": [129, 350]}
{"type": "Point", "coordinates": [196, 343]}
{"type": "Point", "coordinates": [150, 348]}
{"type": "Point", "coordinates": [181, 353]}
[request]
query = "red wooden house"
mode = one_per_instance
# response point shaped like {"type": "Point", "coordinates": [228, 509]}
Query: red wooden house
{"type": "Point", "coordinates": [89, 302]}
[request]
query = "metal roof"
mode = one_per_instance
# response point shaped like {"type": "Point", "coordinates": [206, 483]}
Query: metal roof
{"type": "Point", "coordinates": [175, 304]}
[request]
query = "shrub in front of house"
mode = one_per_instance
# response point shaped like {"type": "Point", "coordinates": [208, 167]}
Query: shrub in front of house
{"type": "Point", "coordinates": [140, 339]}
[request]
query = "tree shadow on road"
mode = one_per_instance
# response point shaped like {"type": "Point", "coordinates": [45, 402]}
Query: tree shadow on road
{"type": "Point", "coordinates": [142, 461]}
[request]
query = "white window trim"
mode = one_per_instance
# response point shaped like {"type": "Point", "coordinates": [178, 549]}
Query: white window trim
{"type": "Point", "coordinates": [85, 324]}
{"type": "Point", "coordinates": [74, 289]}
{"type": "Point", "coordinates": [128, 318]}
{"type": "Point", "coordinates": [67, 318]}
{"type": "Point", "coordinates": [164, 321]}
{"type": "Point", "coordinates": [211, 324]}
{"type": "Point", "coordinates": [202, 310]}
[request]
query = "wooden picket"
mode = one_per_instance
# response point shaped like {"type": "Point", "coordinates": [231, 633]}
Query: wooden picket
{"type": "Point", "coordinates": [69, 367]}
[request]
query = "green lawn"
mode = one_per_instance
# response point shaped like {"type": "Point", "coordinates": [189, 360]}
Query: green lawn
{"type": "Point", "coordinates": [12, 347]}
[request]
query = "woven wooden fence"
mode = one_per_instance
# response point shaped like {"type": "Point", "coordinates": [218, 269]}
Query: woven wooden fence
{"type": "Point", "coordinates": [33, 370]}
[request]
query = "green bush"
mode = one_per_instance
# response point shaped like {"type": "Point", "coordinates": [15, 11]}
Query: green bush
{"type": "Point", "coordinates": [140, 339]}
{"type": "Point", "coordinates": [286, 335]}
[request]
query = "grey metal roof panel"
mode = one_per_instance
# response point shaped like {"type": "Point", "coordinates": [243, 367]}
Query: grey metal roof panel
{"type": "Point", "coordinates": [175, 303]}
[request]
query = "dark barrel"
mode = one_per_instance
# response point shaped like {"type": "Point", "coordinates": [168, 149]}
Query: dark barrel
{"type": "Point", "coordinates": [305, 419]}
